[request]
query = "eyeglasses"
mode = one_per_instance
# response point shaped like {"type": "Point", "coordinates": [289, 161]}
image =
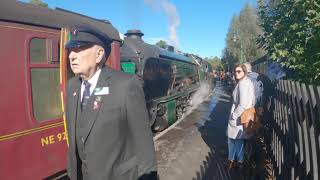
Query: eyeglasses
{"type": "Point", "coordinates": [238, 71]}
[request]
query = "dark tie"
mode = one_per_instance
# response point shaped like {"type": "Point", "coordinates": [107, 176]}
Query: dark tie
{"type": "Point", "coordinates": [86, 94]}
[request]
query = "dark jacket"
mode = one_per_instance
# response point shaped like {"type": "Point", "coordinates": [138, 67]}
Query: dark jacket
{"type": "Point", "coordinates": [118, 142]}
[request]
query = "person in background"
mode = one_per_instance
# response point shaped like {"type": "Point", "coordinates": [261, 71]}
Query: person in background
{"type": "Point", "coordinates": [258, 86]}
{"type": "Point", "coordinates": [243, 98]}
{"type": "Point", "coordinates": [222, 76]}
{"type": "Point", "coordinates": [107, 120]}
{"type": "Point", "coordinates": [259, 159]}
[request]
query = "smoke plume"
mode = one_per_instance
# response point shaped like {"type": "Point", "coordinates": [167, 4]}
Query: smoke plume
{"type": "Point", "coordinates": [199, 96]}
{"type": "Point", "coordinates": [170, 10]}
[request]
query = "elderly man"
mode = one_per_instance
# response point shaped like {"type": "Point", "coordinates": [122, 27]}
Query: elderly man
{"type": "Point", "coordinates": [107, 120]}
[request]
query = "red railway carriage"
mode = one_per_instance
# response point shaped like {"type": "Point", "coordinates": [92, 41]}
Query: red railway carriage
{"type": "Point", "coordinates": [33, 75]}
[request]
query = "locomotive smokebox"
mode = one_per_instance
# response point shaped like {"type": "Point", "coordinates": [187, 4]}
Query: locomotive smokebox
{"type": "Point", "coordinates": [134, 34]}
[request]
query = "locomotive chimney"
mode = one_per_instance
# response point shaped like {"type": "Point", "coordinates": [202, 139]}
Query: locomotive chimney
{"type": "Point", "coordinates": [134, 34]}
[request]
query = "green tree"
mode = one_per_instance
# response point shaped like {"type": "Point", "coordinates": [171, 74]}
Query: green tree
{"type": "Point", "coordinates": [161, 43]}
{"type": "Point", "coordinates": [292, 36]}
{"type": "Point", "coordinates": [39, 3]}
{"type": "Point", "coordinates": [220, 67]}
{"type": "Point", "coordinates": [241, 44]}
{"type": "Point", "coordinates": [228, 60]}
{"type": "Point", "coordinates": [215, 62]}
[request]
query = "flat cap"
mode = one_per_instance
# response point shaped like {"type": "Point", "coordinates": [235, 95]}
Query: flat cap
{"type": "Point", "coordinates": [83, 35]}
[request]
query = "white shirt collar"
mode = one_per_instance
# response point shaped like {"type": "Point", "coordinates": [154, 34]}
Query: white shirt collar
{"type": "Point", "coordinates": [93, 82]}
{"type": "Point", "coordinates": [94, 79]}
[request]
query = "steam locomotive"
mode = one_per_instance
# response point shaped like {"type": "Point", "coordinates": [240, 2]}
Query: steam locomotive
{"type": "Point", "coordinates": [33, 141]}
{"type": "Point", "coordinates": [169, 79]}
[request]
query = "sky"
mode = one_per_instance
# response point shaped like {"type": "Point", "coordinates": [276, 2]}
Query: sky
{"type": "Point", "coordinates": [197, 27]}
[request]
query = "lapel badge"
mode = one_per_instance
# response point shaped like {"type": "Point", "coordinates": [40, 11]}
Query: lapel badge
{"type": "Point", "coordinates": [97, 103]}
{"type": "Point", "coordinates": [74, 32]}
{"type": "Point", "coordinates": [74, 93]}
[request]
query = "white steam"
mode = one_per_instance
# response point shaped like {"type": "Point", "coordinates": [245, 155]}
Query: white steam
{"type": "Point", "coordinates": [170, 10]}
{"type": "Point", "coordinates": [199, 96]}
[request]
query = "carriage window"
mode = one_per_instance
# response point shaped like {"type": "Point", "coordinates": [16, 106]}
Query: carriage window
{"type": "Point", "coordinates": [38, 50]}
{"type": "Point", "coordinates": [46, 99]}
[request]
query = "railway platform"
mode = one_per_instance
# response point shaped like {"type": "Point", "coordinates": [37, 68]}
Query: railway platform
{"type": "Point", "coordinates": [195, 148]}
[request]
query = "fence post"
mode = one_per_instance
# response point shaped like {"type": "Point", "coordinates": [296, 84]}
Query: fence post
{"type": "Point", "coordinates": [295, 138]}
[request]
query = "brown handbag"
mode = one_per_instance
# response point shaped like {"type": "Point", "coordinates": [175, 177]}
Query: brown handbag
{"type": "Point", "coordinates": [250, 120]}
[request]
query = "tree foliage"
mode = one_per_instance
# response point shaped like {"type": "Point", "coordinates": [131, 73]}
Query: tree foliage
{"type": "Point", "coordinates": [228, 60]}
{"type": "Point", "coordinates": [39, 3]}
{"type": "Point", "coordinates": [215, 62]}
{"type": "Point", "coordinates": [241, 44]}
{"type": "Point", "coordinates": [292, 36]}
{"type": "Point", "coordinates": [161, 44]}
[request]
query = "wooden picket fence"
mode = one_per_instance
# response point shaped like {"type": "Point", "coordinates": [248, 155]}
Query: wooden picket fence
{"type": "Point", "coordinates": [294, 132]}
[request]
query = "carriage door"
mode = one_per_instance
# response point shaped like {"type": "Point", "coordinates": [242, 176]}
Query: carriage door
{"type": "Point", "coordinates": [44, 79]}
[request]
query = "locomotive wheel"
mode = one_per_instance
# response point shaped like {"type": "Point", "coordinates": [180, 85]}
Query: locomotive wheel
{"type": "Point", "coordinates": [160, 124]}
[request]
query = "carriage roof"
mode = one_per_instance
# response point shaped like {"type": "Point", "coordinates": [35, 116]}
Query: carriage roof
{"type": "Point", "coordinates": [19, 12]}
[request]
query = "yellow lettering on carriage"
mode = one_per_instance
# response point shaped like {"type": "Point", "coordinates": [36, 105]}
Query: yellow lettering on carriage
{"type": "Point", "coordinates": [52, 139]}
{"type": "Point", "coordinates": [44, 141]}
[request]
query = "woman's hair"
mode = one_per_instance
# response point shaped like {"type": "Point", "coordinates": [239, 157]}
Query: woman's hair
{"type": "Point", "coordinates": [244, 69]}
